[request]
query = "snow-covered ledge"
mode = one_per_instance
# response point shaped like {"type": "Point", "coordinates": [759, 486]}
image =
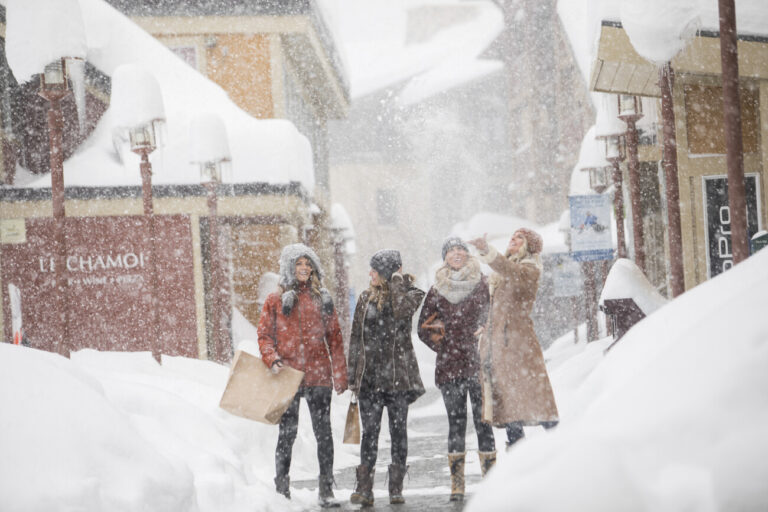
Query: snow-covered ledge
{"type": "Point", "coordinates": [626, 281]}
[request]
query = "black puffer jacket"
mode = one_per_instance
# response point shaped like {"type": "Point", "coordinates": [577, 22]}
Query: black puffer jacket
{"type": "Point", "coordinates": [381, 356]}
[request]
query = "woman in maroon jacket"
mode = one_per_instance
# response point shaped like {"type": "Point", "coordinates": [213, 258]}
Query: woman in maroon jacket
{"type": "Point", "coordinates": [455, 308]}
{"type": "Point", "coordinates": [299, 328]}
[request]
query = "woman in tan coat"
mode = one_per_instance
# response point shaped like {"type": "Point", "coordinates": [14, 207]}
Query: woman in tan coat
{"type": "Point", "coordinates": [516, 387]}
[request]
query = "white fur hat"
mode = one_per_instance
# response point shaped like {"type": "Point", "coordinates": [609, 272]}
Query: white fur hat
{"type": "Point", "coordinates": [288, 258]}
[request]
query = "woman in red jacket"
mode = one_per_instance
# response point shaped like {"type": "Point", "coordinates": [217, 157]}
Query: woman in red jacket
{"type": "Point", "coordinates": [299, 328]}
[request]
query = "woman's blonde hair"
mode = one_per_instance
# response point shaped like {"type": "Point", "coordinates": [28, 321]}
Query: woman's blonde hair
{"type": "Point", "coordinates": [379, 293]}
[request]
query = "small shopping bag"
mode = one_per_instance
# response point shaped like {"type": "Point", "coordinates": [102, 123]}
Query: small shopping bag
{"type": "Point", "coordinates": [352, 425]}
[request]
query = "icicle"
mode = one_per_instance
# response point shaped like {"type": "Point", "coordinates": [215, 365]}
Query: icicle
{"type": "Point", "coordinates": [76, 71]}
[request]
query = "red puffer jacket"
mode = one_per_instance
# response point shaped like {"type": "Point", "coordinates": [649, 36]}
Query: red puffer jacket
{"type": "Point", "coordinates": [299, 340]}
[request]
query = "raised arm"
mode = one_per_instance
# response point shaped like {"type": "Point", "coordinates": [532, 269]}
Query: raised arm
{"type": "Point", "coordinates": [405, 297]}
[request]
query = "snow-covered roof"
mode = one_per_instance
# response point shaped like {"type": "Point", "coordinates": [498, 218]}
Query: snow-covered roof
{"type": "Point", "coordinates": [270, 151]}
{"type": "Point", "coordinates": [381, 50]}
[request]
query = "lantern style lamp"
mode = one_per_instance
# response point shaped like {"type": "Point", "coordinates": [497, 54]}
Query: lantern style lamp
{"type": "Point", "coordinates": [615, 148]}
{"type": "Point", "coordinates": [630, 107]}
{"type": "Point", "coordinates": [137, 106]}
{"type": "Point", "coordinates": [54, 78]}
{"type": "Point", "coordinates": [592, 161]}
{"type": "Point", "coordinates": [598, 178]}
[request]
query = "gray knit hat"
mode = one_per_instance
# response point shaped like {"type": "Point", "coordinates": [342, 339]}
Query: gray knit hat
{"type": "Point", "coordinates": [386, 262]}
{"type": "Point", "coordinates": [451, 242]}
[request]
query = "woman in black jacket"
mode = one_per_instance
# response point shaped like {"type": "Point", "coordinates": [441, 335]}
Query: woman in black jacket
{"type": "Point", "coordinates": [383, 371]}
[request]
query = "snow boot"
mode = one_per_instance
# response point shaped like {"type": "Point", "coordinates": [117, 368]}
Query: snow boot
{"type": "Point", "coordinates": [456, 463]}
{"type": "Point", "coordinates": [363, 494]}
{"type": "Point", "coordinates": [487, 460]}
{"type": "Point", "coordinates": [396, 475]}
{"type": "Point", "coordinates": [325, 496]}
{"type": "Point", "coordinates": [283, 485]}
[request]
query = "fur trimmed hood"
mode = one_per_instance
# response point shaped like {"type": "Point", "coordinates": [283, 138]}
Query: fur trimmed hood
{"type": "Point", "coordinates": [288, 258]}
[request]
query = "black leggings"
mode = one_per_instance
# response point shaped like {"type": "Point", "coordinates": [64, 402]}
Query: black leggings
{"type": "Point", "coordinates": [515, 430]}
{"type": "Point", "coordinates": [319, 402]}
{"type": "Point", "coordinates": [455, 398]}
{"type": "Point", "coordinates": [371, 408]}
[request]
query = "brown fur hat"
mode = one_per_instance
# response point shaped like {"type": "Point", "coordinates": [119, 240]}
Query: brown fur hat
{"type": "Point", "coordinates": [532, 239]}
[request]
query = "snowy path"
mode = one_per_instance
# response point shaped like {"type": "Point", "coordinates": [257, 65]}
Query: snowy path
{"type": "Point", "coordinates": [427, 484]}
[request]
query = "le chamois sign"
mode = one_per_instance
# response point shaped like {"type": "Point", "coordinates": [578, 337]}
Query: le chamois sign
{"type": "Point", "coordinates": [111, 271]}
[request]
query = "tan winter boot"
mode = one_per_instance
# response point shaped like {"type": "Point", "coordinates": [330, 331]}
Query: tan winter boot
{"type": "Point", "coordinates": [363, 494]}
{"type": "Point", "coordinates": [396, 475]}
{"type": "Point", "coordinates": [456, 463]}
{"type": "Point", "coordinates": [487, 461]}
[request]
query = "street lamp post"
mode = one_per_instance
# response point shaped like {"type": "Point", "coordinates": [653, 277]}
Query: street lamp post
{"type": "Point", "coordinates": [54, 87]}
{"type": "Point", "coordinates": [593, 162]}
{"type": "Point", "coordinates": [143, 140]}
{"type": "Point", "coordinates": [210, 152]}
{"type": "Point", "coordinates": [669, 163]}
{"type": "Point", "coordinates": [615, 153]}
{"type": "Point", "coordinates": [737, 199]}
{"type": "Point", "coordinates": [610, 129]}
{"type": "Point", "coordinates": [630, 110]}
{"type": "Point", "coordinates": [139, 114]}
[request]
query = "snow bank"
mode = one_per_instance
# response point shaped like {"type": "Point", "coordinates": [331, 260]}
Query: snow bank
{"type": "Point", "coordinates": [672, 418]}
{"type": "Point", "coordinates": [118, 431]}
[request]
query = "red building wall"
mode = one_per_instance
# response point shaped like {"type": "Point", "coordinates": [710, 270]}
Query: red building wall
{"type": "Point", "coordinates": [109, 293]}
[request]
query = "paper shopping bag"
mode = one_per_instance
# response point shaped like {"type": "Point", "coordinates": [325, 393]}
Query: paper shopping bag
{"type": "Point", "coordinates": [352, 425]}
{"type": "Point", "coordinates": [254, 392]}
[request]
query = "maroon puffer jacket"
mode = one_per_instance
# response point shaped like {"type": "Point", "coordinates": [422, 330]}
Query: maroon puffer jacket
{"type": "Point", "coordinates": [457, 356]}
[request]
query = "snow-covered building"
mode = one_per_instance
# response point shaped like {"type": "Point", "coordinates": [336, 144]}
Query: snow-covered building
{"type": "Point", "coordinates": [265, 200]}
{"type": "Point", "coordinates": [621, 49]}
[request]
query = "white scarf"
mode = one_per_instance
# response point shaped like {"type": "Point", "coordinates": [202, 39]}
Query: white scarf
{"type": "Point", "coordinates": [456, 285]}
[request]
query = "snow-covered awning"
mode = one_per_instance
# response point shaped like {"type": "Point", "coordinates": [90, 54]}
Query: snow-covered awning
{"type": "Point", "coordinates": [619, 45]}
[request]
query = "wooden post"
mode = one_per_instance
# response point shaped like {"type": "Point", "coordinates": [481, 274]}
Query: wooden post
{"type": "Point", "coordinates": [737, 201]}
{"type": "Point", "coordinates": [672, 195]}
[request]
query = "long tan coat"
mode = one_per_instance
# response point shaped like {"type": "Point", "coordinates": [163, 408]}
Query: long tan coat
{"type": "Point", "coordinates": [510, 354]}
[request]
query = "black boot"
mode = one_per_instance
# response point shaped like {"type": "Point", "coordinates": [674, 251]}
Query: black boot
{"type": "Point", "coordinates": [325, 492]}
{"type": "Point", "coordinates": [396, 475]}
{"type": "Point", "coordinates": [283, 485]}
{"type": "Point", "coordinates": [363, 494]}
